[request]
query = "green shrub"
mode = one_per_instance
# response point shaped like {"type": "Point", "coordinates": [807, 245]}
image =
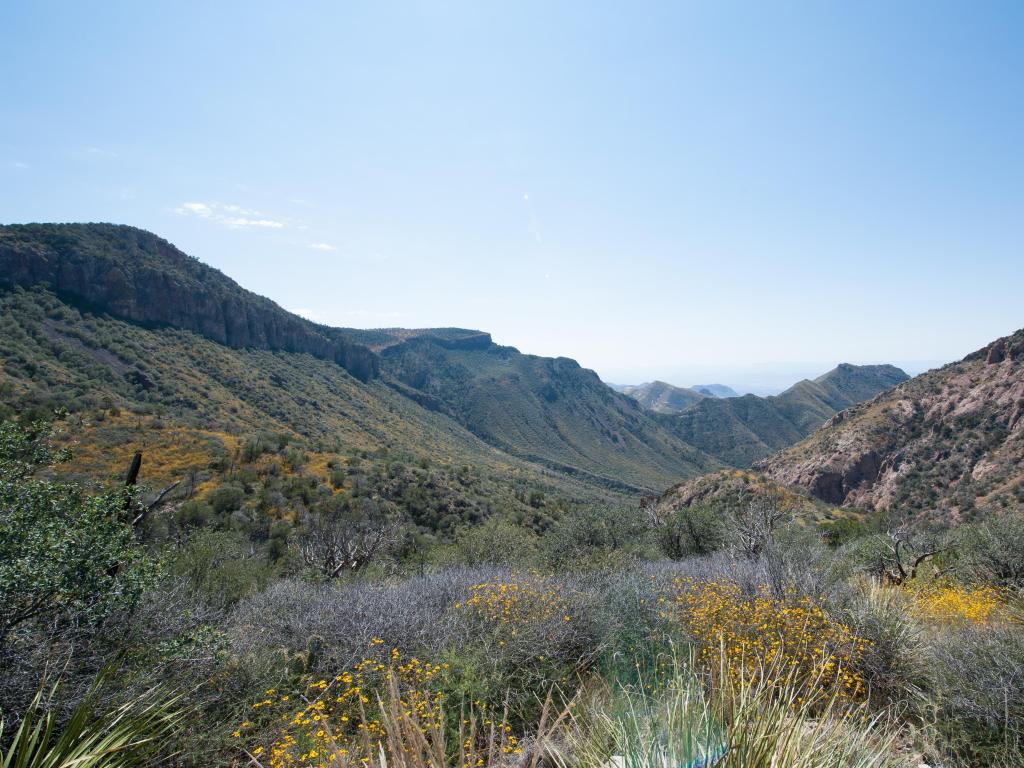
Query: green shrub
{"type": "Point", "coordinates": [977, 696]}
{"type": "Point", "coordinates": [66, 553]}
{"type": "Point", "coordinates": [992, 552]}
{"type": "Point", "coordinates": [694, 530]}
{"type": "Point", "coordinates": [217, 566]}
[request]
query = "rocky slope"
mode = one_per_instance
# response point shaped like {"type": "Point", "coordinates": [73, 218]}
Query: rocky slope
{"type": "Point", "coordinates": [134, 275]}
{"type": "Point", "coordinates": [949, 442]}
{"type": "Point", "coordinates": [741, 430]}
{"type": "Point", "coordinates": [100, 313]}
{"type": "Point", "coordinates": [548, 410]}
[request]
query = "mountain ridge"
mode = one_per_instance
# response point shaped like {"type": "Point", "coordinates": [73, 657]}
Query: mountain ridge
{"type": "Point", "coordinates": [741, 430]}
{"type": "Point", "coordinates": [156, 284]}
{"type": "Point", "coordinates": [547, 412]}
{"type": "Point", "coordinates": [662, 397]}
{"type": "Point", "coordinates": [949, 442]}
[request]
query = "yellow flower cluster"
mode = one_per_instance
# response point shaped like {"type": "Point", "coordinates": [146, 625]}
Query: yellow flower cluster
{"type": "Point", "coordinates": [511, 604]}
{"type": "Point", "coordinates": [334, 720]}
{"type": "Point", "coordinates": [955, 604]}
{"type": "Point", "coordinates": [761, 639]}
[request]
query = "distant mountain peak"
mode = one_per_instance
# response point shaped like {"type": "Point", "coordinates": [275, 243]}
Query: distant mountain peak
{"type": "Point", "coordinates": [741, 430]}
{"type": "Point", "coordinates": [662, 397]}
{"type": "Point", "coordinates": [715, 390]}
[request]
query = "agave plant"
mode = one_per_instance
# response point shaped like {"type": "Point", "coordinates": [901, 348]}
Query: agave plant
{"type": "Point", "coordinates": [126, 736]}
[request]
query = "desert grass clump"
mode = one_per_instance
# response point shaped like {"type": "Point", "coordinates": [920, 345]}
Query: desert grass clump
{"type": "Point", "coordinates": [747, 725]}
{"type": "Point", "coordinates": [404, 735]}
{"type": "Point", "coordinates": [894, 662]}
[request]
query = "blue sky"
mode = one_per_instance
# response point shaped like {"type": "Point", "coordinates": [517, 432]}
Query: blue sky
{"type": "Point", "coordinates": [659, 190]}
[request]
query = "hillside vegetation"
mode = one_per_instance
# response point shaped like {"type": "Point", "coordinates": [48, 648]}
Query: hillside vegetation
{"type": "Point", "coordinates": [742, 635]}
{"type": "Point", "coordinates": [135, 322]}
{"type": "Point", "coordinates": [948, 443]}
{"type": "Point", "coordinates": [401, 548]}
{"type": "Point", "coordinates": [741, 430]}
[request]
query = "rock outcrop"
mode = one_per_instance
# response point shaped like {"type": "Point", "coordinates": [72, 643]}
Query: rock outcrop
{"type": "Point", "coordinates": [134, 275]}
{"type": "Point", "coordinates": [947, 443]}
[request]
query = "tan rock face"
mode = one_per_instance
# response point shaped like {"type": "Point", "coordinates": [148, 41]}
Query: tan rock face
{"type": "Point", "coordinates": [947, 442]}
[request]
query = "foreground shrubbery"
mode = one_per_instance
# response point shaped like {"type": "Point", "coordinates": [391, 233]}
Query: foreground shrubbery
{"type": "Point", "coordinates": [760, 646]}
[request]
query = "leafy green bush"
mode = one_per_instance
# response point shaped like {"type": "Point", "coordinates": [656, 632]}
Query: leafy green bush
{"type": "Point", "coordinates": [595, 537]}
{"type": "Point", "coordinates": [216, 565]}
{"type": "Point", "coordinates": [692, 530]}
{"type": "Point", "coordinates": [66, 553]}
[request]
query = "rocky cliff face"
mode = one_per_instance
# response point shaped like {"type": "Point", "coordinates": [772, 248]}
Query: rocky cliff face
{"type": "Point", "coordinates": [948, 443]}
{"type": "Point", "coordinates": [136, 276]}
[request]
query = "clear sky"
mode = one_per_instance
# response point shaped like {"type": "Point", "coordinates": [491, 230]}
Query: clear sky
{"type": "Point", "coordinates": [659, 190]}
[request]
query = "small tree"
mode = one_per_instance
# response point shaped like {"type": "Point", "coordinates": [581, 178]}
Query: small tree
{"type": "Point", "coordinates": [751, 531]}
{"type": "Point", "coordinates": [343, 537]}
{"type": "Point", "coordinates": [67, 553]}
{"type": "Point", "coordinates": [693, 530]}
{"type": "Point", "coordinates": [902, 558]}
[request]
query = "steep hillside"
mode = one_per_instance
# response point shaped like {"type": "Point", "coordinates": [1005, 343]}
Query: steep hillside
{"type": "Point", "coordinates": [949, 442]}
{"type": "Point", "coordinates": [134, 275]}
{"type": "Point", "coordinates": [548, 410]}
{"type": "Point", "coordinates": [740, 430]}
{"type": "Point", "coordinates": [127, 322]}
{"type": "Point", "coordinates": [663, 398]}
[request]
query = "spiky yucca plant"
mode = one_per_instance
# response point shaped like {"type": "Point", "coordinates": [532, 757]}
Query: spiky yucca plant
{"type": "Point", "coordinates": [123, 738]}
{"type": "Point", "coordinates": [683, 724]}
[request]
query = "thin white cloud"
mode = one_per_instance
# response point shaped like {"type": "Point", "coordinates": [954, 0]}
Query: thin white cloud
{"type": "Point", "coordinates": [322, 247]}
{"type": "Point", "coordinates": [229, 215]}
{"type": "Point", "coordinates": [97, 152]}
{"type": "Point", "coordinates": [19, 164]}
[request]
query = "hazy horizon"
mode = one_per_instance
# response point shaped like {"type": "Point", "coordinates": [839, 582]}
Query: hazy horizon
{"type": "Point", "coordinates": [652, 190]}
{"type": "Point", "coordinates": [764, 379]}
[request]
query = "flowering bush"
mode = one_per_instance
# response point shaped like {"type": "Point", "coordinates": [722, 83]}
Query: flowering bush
{"type": "Point", "coordinates": [762, 639]}
{"type": "Point", "coordinates": [514, 603]}
{"type": "Point", "coordinates": [955, 604]}
{"type": "Point", "coordinates": [333, 720]}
